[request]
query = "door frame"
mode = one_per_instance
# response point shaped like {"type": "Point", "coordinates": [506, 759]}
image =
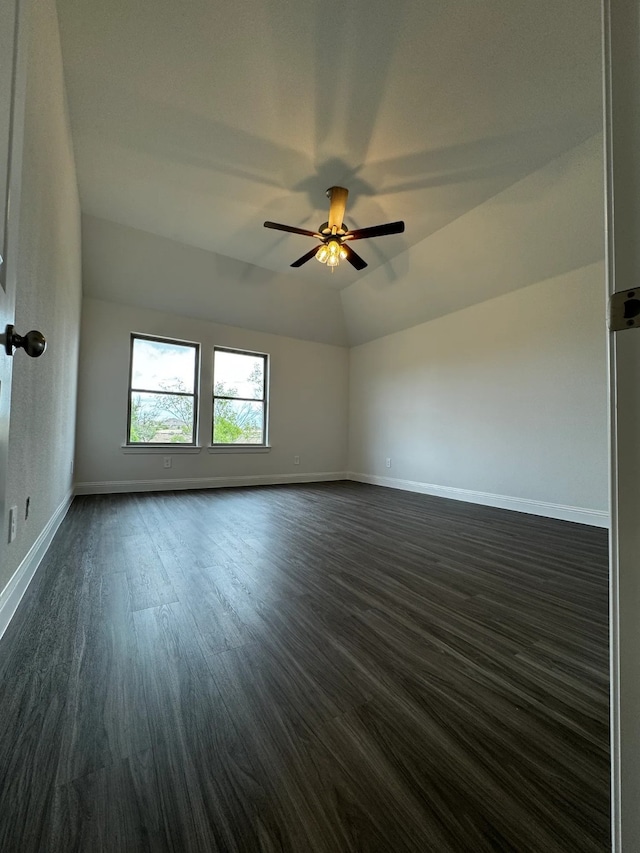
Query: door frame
{"type": "Point", "coordinates": [621, 80]}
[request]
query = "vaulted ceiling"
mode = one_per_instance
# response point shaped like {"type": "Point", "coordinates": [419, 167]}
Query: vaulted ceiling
{"type": "Point", "coordinates": [197, 121]}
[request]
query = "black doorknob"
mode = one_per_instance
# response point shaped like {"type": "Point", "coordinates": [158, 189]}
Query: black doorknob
{"type": "Point", "coordinates": [33, 343]}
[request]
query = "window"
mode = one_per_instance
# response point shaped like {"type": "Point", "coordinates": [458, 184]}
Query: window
{"type": "Point", "coordinates": [163, 400]}
{"type": "Point", "coordinates": [239, 397]}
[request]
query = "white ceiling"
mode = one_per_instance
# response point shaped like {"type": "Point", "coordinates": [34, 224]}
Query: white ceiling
{"type": "Point", "coordinates": [197, 121]}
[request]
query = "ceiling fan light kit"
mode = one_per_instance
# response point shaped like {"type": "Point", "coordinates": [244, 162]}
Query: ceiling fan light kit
{"type": "Point", "coordinates": [331, 253]}
{"type": "Point", "coordinates": [333, 235]}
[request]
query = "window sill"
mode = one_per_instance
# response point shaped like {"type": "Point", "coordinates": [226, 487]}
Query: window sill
{"type": "Point", "coordinates": [238, 448]}
{"type": "Point", "coordinates": [165, 449]}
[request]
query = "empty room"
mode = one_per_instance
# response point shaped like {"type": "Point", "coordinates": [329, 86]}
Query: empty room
{"type": "Point", "coordinates": [314, 532]}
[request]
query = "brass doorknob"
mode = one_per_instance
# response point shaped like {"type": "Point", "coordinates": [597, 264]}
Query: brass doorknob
{"type": "Point", "coordinates": [33, 343]}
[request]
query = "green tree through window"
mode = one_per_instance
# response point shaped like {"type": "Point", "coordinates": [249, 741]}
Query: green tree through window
{"type": "Point", "coordinates": [239, 397]}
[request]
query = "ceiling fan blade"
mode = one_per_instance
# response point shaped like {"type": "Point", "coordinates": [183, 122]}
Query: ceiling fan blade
{"type": "Point", "coordinates": [375, 231]}
{"type": "Point", "coordinates": [354, 259]}
{"type": "Point", "coordinates": [293, 230]}
{"type": "Point", "coordinates": [307, 257]}
{"type": "Point", "coordinates": [337, 205]}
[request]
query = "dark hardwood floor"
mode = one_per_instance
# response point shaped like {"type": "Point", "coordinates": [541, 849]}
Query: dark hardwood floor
{"type": "Point", "coordinates": [317, 669]}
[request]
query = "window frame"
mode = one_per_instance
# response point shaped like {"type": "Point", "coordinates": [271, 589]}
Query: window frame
{"type": "Point", "coordinates": [195, 395]}
{"type": "Point", "coordinates": [216, 446]}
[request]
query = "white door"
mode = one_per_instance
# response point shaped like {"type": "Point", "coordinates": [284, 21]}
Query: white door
{"type": "Point", "coordinates": [622, 138]}
{"type": "Point", "coordinates": [12, 84]}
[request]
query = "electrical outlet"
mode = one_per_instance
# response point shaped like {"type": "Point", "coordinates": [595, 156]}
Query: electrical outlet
{"type": "Point", "coordinates": [13, 523]}
{"type": "Point", "coordinates": [167, 461]}
{"type": "Point", "coordinates": [296, 460]}
{"type": "Point", "coordinates": [387, 462]}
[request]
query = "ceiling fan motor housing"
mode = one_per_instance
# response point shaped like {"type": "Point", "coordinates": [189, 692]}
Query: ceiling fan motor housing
{"type": "Point", "coordinates": [326, 231]}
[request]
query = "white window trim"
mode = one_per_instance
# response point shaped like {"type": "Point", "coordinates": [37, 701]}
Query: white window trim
{"type": "Point", "coordinates": [248, 448]}
{"type": "Point", "coordinates": [164, 449]}
{"type": "Point", "coordinates": [239, 448]}
{"type": "Point", "coordinates": [150, 447]}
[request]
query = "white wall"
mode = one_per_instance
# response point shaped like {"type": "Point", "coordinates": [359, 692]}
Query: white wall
{"type": "Point", "coordinates": [308, 405]}
{"type": "Point", "coordinates": [124, 264]}
{"type": "Point", "coordinates": [546, 224]}
{"type": "Point", "coordinates": [507, 399]}
{"type": "Point", "coordinates": [43, 402]}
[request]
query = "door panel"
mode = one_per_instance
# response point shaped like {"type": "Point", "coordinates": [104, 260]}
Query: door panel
{"type": "Point", "coordinates": [12, 101]}
{"type": "Point", "coordinates": [622, 141]}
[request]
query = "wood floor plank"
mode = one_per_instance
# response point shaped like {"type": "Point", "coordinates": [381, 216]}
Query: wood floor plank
{"type": "Point", "coordinates": [327, 668]}
{"type": "Point", "coordinates": [116, 808]}
{"type": "Point", "coordinates": [149, 583]}
{"type": "Point", "coordinates": [204, 774]}
{"type": "Point", "coordinates": [278, 732]}
{"type": "Point", "coordinates": [219, 626]}
{"type": "Point", "coordinates": [31, 709]}
{"type": "Point", "coordinates": [105, 716]}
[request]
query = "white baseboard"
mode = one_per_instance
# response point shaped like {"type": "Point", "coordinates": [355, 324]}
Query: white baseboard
{"type": "Point", "coordinates": [11, 595]}
{"type": "Point", "coordinates": [595, 517]}
{"type": "Point", "coordinates": [125, 486]}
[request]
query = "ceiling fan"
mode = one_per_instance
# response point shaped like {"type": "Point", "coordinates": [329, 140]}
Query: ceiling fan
{"type": "Point", "coordinates": [334, 237]}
